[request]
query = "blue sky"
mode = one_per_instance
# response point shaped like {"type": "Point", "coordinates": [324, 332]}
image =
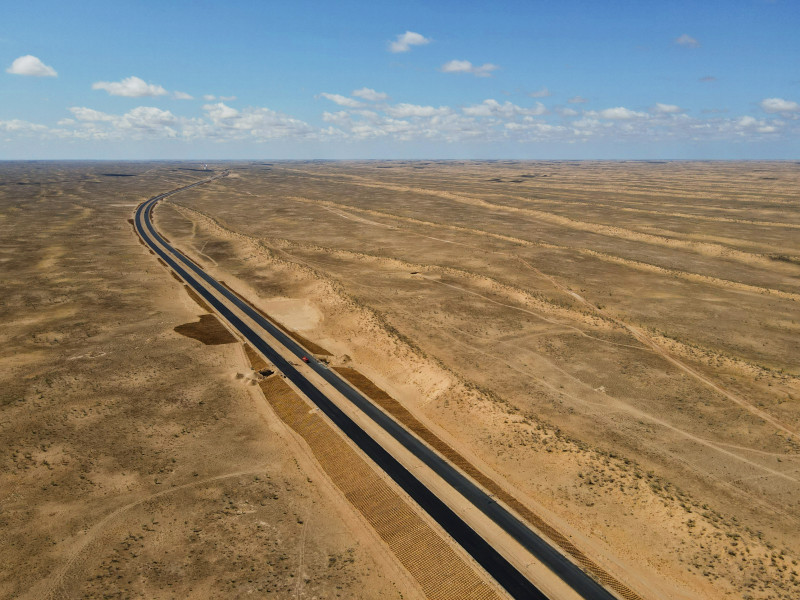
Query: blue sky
{"type": "Point", "coordinates": [440, 79]}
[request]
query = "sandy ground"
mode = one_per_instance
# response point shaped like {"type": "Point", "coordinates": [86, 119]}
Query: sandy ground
{"type": "Point", "coordinates": [616, 342]}
{"type": "Point", "coordinates": [136, 460]}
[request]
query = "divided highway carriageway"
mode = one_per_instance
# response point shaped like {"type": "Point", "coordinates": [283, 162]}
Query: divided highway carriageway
{"type": "Point", "coordinates": [525, 564]}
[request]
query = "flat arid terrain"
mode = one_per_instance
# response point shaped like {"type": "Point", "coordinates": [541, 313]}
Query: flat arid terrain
{"type": "Point", "coordinates": [615, 345]}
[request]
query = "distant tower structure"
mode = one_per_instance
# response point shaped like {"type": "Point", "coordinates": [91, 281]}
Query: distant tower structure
{"type": "Point", "coordinates": [205, 167]}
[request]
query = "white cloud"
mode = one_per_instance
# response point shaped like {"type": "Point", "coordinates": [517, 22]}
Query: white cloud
{"type": "Point", "coordinates": [747, 121]}
{"type": "Point", "coordinates": [138, 123]}
{"type": "Point", "coordinates": [340, 117]}
{"type": "Point", "coordinates": [565, 111]}
{"type": "Point", "coordinates": [411, 122]}
{"type": "Point", "coordinates": [424, 123]}
{"type": "Point", "coordinates": [81, 113]}
{"type": "Point", "coordinates": [464, 66]}
{"type": "Point", "coordinates": [539, 109]}
{"type": "Point", "coordinates": [254, 123]}
{"type": "Point", "coordinates": [18, 126]}
{"type": "Point", "coordinates": [130, 87]}
{"type": "Point", "coordinates": [779, 105]}
{"type": "Point", "coordinates": [457, 66]}
{"type": "Point", "coordinates": [667, 109]}
{"type": "Point", "coordinates": [209, 97]}
{"type": "Point", "coordinates": [219, 122]}
{"type": "Point", "coordinates": [148, 118]}
{"type": "Point", "coordinates": [342, 100]}
{"type": "Point", "coordinates": [405, 40]}
{"type": "Point", "coordinates": [577, 100]}
{"type": "Point", "coordinates": [227, 98]}
{"type": "Point", "coordinates": [538, 129]}
{"type": "Point", "coordinates": [687, 41]}
{"type": "Point", "coordinates": [31, 66]}
{"type": "Point", "coordinates": [542, 93]}
{"type": "Point", "coordinates": [750, 124]}
{"type": "Point", "coordinates": [182, 96]}
{"type": "Point", "coordinates": [507, 110]}
{"type": "Point", "coordinates": [414, 110]}
{"type": "Point", "coordinates": [370, 94]}
{"type": "Point", "coordinates": [619, 113]}
{"type": "Point", "coordinates": [220, 111]}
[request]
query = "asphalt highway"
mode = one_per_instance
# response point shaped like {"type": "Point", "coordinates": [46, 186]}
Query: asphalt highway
{"type": "Point", "coordinates": [517, 585]}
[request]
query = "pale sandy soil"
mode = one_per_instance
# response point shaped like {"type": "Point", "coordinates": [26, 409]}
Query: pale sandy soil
{"type": "Point", "coordinates": [617, 342]}
{"type": "Point", "coordinates": [134, 461]}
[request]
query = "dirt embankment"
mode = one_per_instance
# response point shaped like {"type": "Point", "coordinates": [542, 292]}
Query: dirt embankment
{"type": "Point", "coordinates": [408, 536]}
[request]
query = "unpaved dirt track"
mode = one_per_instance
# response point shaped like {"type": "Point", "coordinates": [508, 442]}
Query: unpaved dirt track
{"type": "Point", "coordinates": [54, 581]}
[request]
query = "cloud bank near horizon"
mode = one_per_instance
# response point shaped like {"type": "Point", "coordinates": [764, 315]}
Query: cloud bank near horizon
{"type": "Point", "coordinates": [487, 121]}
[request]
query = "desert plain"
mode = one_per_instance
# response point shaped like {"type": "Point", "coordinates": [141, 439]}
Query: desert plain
{"type": "Point", "coordinates": [616, 343]}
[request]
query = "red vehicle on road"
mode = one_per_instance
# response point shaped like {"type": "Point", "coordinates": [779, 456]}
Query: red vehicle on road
{"type": "Point", "coordinates": [305, 359]}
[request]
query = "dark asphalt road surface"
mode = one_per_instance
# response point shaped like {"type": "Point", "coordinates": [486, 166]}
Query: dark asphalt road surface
{"type": "Point", "coordinates": [513, 581]}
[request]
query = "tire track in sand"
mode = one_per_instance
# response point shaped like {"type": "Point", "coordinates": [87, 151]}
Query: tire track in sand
{"type": "Point", "coordinates": [55, 580]}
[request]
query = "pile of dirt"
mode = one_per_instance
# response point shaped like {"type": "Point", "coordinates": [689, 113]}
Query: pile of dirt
{"type": "Point", "coordinates": [207, 330]}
